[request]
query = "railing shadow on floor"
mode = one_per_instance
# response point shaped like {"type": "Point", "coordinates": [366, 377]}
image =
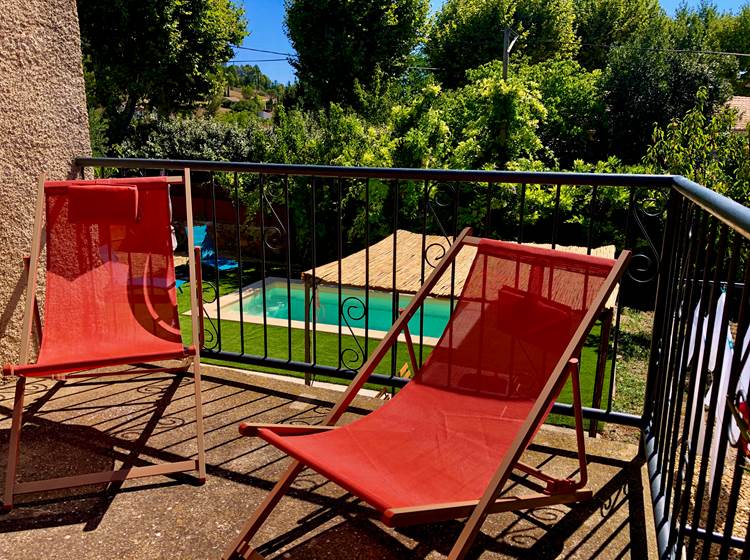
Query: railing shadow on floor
{"type": "Point", "coordinates": [517, 538]}
{"type": "Point", "coordinates": [156, 399]}
{"type": "Point", "coordinates": [59, 448]}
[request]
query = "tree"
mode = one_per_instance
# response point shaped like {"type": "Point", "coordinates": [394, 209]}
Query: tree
{"type": "Point", "coordinates": [574, 126]}
{"type": "Point", "coordinates": [704, 148]}
{"type": "Point", "coordinates": [484, 125]}
{"type": "Point", "coordinates": [604, 23]}
{"type": "Point", "coordinates": [468, 33]}
{"type": "Point", "coordinates": [733, 34]}
{"type": "Point", "coordinates": [547, 29]}
{"type": "Point", "coordinates": [156, 54]}
{"type": "Point", "coordinates": [646, 86]}
{"type": "Point", "coordinates": [339, 43]}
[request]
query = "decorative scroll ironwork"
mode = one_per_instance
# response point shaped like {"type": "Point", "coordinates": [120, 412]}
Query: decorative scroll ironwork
{"type": "Point", "coordinates": [273, 236]}
{"type": "Point", "coordinates": [644, 267]}
{"type": "Point", "coordinates": [439, 199]}
{"type": "Point", "coordinates": [354, 309]}
{"type": "Point", "coordinates": [436, 258]}
{"type": "Point", "coordinates": [210, 328]}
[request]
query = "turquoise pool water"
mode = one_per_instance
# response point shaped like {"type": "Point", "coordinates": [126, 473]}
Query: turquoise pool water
{"type": "Point", "coordinates": [436, 312]}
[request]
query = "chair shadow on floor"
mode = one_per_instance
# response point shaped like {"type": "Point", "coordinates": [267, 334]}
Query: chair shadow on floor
{"type": "Point", "coordinates": [51, 448]}
{"type": "Point", "coordinates": [539, 534]}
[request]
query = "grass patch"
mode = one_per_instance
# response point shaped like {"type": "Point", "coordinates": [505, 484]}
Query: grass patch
{"type": "Point", "coordinates": [632, 360]}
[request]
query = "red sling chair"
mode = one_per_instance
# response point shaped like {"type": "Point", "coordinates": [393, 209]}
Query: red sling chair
{"type": "Point", "coordinates": [445, 445]}
{"type": "Point", "coordinates": [110, 301]}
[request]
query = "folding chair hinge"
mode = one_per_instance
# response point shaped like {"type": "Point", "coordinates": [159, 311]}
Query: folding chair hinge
{"type": "Point", "coordinates": [561, 486]}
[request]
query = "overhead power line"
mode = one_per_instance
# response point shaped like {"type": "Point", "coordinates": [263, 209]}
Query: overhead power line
{"type": "Point", "coordinates": [264, 51]}
{"type": "Point", "coordinates": [654, 49]}
{"type": "Point", "coordinates": [676, 51]}
{"type": "Point", "coordinates": [257, 60]}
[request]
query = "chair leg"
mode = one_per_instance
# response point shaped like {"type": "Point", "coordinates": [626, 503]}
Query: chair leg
{"type": "Point", "coordinates": [199, 420]}
{"type": "Point", "coordinates": [240, 546]}
{"type": "Point", "coordinates": [14, 444]}
{"type": "Point", "coordinates": [580, 441]}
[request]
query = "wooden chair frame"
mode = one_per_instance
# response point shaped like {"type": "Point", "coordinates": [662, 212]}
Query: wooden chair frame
{"type": "Point", "coordinates": [558, 491]}
{"type": "Point", "coordinates": [31, 320]}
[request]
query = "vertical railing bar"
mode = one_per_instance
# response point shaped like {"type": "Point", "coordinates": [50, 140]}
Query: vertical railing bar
{"type": "Point", "coordinates": [488, 213]}
{"type": "Point", "coordinates": [261, 191]}
{"type": "Point", "coordinates": [618, 302]}
{"type": "Point", "coordinates": [698, 503]}
{"type": "Point", "coordinates": [678, 355]}
{"type": "Point", "coordinates": [314, 278]}
{"type": "Point", "coordinates": [592, 213]}
{"type": "Point", "coordinates": [556, 217]}
{"type": "Point", "coordinates": [216, 262]}
{"type": "Point", "coordinates": [288, 271]}
{"type": "Point", "coordinates": [615, 341]}
{"type": "Point", "coordinates": [522, 213]}
{"type": "Point", "coordinates": [367, 270]}
{"type": "Point", "coordinates": [703, 252]}
{"type": "Point", "coordinates": [456, 195]}
{"type": "Point", "coordinates": [339, 252]}
{"type": "Point", "coordinates": [394, 300]}
{"type": "Point", "coordinates": [743, 324]}
{"type": "Point", "coordinates": [668, 373]}
{"type": "Point", "coordinates": [423, 260]}
{"type": "Point", "coordinates": [723, 426]}
{"type": "Point", "coordinates": [681, 264]}
{"type": "Point", "coordinates": [239, 259]}
{"type": "Point", "coordinates": [666, 277]}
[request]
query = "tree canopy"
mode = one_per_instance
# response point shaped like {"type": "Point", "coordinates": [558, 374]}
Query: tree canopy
{"type": "Point", "coordinates": [646, 87]}
{"type": "Point", "coordinates": [468, 33]}
{"type": "Point", "coordinates": [601, 24]}
{"type": "Point", "coordinates": [340, 43]}
{"type": "Point", "coordinates": [159, 54]}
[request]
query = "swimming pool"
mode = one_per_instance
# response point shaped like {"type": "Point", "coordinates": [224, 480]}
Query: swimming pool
{"type": "Point", "coordinates": [327, 310]}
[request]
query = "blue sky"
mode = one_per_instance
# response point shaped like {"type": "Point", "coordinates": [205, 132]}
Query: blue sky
{"type": "Point", "coordinates": [266, 25]}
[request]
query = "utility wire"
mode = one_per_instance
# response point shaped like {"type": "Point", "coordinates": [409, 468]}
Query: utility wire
{"type": "Point", "coordinates": [654, 49]}
{"type": "Point", "coordinates": [264, 51]}
{"type": "Point", "coordinates": [257, 60]}
{"type": "Point", "coordinates": [676, 51]}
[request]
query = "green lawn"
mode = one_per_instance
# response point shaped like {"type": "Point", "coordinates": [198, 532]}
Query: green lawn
{"type": "Point", "coordinates": [327, 347]}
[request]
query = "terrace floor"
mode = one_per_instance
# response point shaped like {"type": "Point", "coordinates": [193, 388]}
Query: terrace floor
{"type": "Point", "coordinates": [68, 430]}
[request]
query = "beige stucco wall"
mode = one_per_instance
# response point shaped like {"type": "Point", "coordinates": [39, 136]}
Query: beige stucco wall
{"type": "Point", "coordinates": [43, 126]}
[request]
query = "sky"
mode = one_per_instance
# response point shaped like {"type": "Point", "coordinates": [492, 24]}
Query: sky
{"type": "Point", "coordinates": [266, 26]}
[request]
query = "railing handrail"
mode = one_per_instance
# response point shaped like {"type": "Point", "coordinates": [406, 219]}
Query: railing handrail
{"type": "Point", "coordinates": [722, 207]}
{"type": "Point", "coordinates": [485, 176]}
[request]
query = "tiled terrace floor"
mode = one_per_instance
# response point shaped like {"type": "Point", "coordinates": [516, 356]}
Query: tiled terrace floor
{"type": "Point", "coordinates": [67, 432]}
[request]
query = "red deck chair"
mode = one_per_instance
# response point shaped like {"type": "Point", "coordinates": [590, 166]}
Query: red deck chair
{"type": "Point", "coordinates": [109, 301]}
{"type": "Point", "coordinates": [445, 445]}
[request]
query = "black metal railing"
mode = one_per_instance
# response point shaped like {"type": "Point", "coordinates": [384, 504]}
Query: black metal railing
{"type": "Point", "coordinates": [690, 246]}
{"type": "Point", "coordinates": [696, 376]}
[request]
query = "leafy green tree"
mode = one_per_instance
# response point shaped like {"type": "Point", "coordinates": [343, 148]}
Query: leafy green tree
{"type": "Point", "coordinates": [164, 55]}
{"type": "Point", "coordinates": [703, 147]}
{"type": "Point", "coordinates": [733, 35]}
{"type": "Point", "coordinates": [647, 87]}
{"type": "Point", "coordinates": [341, 42]}
{"type": "Point", "coordinates": [573, 97]}
{"type": "Point", "coordinates": [485, 124]}
{"type": "Point", "coordinates": [547, 28]}
{"type": "Point", "coordinates": [468, 33]}
{"type": "Point", "coordinates": [604, 23]}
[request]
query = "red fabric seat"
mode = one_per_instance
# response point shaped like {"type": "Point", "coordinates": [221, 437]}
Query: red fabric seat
{"type": "Point", "coordinates": [110, 290]}
{"type": "Point", "coordinates": [442, 437]}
